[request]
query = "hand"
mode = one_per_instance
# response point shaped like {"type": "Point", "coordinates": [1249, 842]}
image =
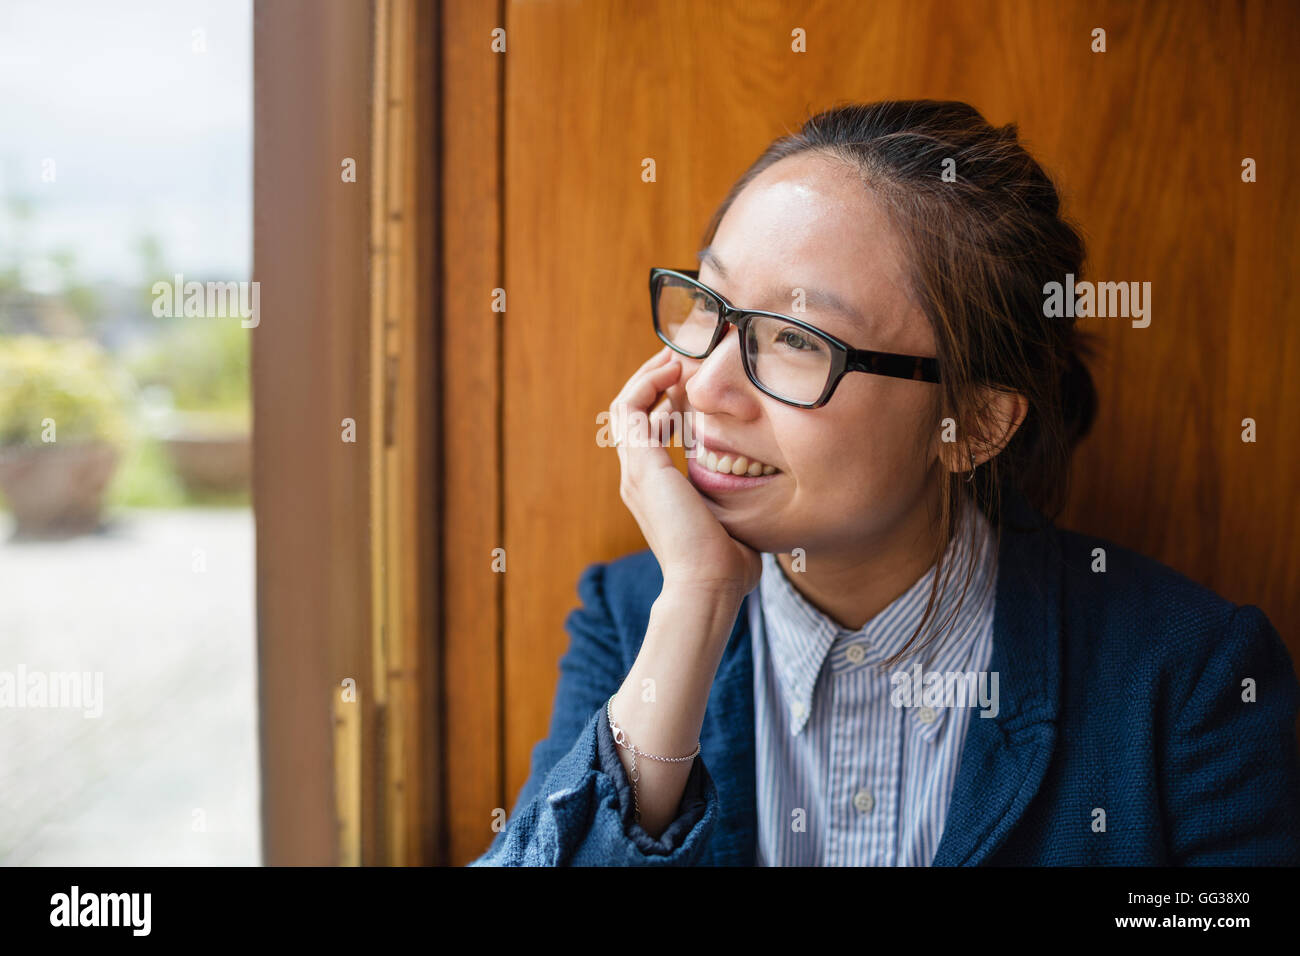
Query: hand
{"type": "Point", "coordinates": [694, 550]}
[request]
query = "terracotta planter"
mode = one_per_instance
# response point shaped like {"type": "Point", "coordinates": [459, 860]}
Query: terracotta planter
{"type": "Point", "coordinates": [56, 490]}
{"type": "Point", "coordinates": [211, 463]}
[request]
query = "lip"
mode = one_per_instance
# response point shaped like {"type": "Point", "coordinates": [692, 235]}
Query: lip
{"type": "Point", "coordinates": [711, 482]}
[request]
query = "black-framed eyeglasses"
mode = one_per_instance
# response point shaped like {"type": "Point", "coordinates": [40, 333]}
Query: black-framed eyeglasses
{"type": "Point", "coordinates": [784, 357]}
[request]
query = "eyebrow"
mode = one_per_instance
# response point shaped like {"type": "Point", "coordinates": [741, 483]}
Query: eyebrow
{"type": "Point", "coordinates": [823, 298]}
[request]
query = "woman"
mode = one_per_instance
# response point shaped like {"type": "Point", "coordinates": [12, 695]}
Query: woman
{"type": "Point", "coordinates": [874, 455]}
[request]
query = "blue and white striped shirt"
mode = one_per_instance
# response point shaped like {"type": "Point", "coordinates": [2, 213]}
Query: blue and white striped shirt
{"type": "Point", "coordinates": [845, 776]}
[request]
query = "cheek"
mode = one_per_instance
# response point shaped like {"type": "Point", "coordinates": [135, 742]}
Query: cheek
{"type": "Point", "coordinates": [866, 452]}
{"type": "Point", "coordinates": [903, 423]}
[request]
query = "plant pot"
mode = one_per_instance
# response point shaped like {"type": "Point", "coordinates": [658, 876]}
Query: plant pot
{"type": "Point", "coordinates": [56, 490]}
{"type": "Point", "coordinates": [211, 463]}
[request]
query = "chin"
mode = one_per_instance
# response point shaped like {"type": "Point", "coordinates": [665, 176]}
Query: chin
{"type": "Point", "coordinates": [753, 535]}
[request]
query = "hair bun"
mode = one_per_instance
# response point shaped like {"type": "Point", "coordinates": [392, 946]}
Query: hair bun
{"type": "Point", "coordinates": [1078, 396]}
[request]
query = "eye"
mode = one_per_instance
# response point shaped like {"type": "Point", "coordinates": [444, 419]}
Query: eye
{"type": "Point", "coordinates": [703, 301]}
{"type": "Point", "coordinates": [797, 341]}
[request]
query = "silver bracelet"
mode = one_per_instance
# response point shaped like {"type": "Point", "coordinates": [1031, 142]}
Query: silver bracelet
{"type": "Point", "coordinates": [620, 738]}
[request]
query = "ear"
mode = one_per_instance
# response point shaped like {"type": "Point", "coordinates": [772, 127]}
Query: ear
{"type": "Point", "coordinates": [1000, 415]}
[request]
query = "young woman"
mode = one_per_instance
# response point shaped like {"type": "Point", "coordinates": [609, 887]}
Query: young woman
{"type": "Point", "coordinates": [876, 447]}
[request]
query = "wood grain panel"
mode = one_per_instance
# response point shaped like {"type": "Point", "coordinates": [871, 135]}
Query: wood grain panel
{"type": "Point", "coordinates": [1258, 515]}
{"type": "Point", "coordinates": [471, 402]}
{"type": "Point", "coordinates": [1146, 140]}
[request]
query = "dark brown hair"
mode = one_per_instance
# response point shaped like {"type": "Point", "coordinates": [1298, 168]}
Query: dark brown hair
{"type": "Point", "coordinates": [981, 244]}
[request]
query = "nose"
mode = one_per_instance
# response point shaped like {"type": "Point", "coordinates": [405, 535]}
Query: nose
{"type": "Point", "coordinates": [718, 382]}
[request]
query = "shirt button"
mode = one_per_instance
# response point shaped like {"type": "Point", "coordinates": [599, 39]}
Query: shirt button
{"type": "Point", "coordinates": [797, 708]}
{"type": "Point", "coordinates": [926, 715]}
{"type": "Point", "coordinates": [863, 801]}
{"type": "Point", "coordinates": [855, 653]}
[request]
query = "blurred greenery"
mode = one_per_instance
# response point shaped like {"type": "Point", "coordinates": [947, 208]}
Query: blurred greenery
{"type": "Point", "coordinates": [72, 381]}
{"type": "Point", "coordinates": [145, 478]}
{"type": "Point", "coordinates": [185, 374]}
{"type": "Point", "coordinates": [203, 364]}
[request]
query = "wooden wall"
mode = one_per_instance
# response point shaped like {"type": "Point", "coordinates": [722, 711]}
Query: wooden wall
{"type": "Point", "coordinates": [543, 149]}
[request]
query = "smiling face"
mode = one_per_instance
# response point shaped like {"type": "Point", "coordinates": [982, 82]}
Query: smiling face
{"type": "Point", "coordinates": [858, 472]}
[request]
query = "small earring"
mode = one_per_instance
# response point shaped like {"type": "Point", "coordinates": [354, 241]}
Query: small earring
{"type": "Point", "coordinates": [971, 474]}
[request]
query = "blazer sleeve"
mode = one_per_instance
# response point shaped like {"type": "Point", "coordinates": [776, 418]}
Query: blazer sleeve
{"type": "Point", "coordinates": [1232, 767]}
{"type": "Point", "coordinates": [575, 808]}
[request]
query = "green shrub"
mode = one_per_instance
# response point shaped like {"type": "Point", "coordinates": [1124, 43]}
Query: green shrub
{"type": "Point", "coordinates": [202, 362]}
{"type": "Point", "coordinates": [146, 479]}
{"type": "Point", "coordinates": [71, 381]}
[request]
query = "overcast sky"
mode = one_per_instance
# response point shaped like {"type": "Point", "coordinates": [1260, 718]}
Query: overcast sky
{"type": "Point", "coordinates": [147, 135]}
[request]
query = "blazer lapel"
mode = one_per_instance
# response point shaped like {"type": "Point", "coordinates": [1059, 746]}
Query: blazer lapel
{"type": "Point", "coordinates": [1005, 757]}
{"type": "Point", "coordinates": [729, 739]}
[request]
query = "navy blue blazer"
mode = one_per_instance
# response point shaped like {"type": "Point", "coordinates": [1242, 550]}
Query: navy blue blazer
{"type": "Point", "coordinates": [1132, 691]}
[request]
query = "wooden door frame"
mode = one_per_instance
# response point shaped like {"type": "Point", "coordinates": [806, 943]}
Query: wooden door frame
{"type": "Point", "coordinates": [346, 430]}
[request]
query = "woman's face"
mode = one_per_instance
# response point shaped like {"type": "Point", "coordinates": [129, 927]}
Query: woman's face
{"type": "Point", "coordinates": [858, 468]}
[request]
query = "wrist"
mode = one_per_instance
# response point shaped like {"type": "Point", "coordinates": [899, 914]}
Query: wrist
{"type": "Point", "coordinates": [698, 609]}
{"type": "Point", "coordinates": [705, 614]}
{"type": "Point", "coordinates": [695, 593]}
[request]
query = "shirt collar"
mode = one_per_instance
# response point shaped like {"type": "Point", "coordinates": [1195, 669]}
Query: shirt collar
{"type": "Point", "coordinates": [802, 640]}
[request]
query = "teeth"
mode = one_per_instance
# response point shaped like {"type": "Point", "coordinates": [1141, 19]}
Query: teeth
{"type": "Point", "coordinates": [733, 464]}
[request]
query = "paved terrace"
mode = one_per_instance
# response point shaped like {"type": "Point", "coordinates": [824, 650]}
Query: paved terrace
{"type": "Point", "coordinates": [160, 602]}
